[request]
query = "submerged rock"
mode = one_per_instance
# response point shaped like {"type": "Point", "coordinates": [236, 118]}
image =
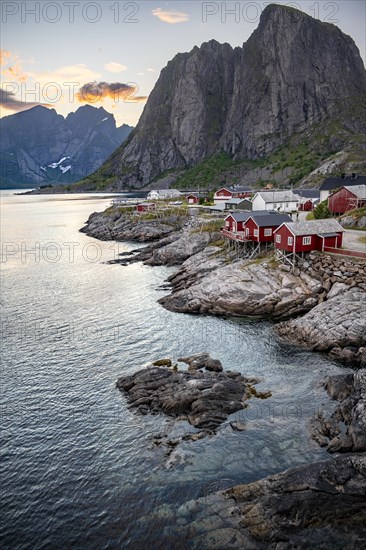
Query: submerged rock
{"type": "Point", "coordinates": [204, 399]}
{"type": "Point", "coordinates": [163, 363]}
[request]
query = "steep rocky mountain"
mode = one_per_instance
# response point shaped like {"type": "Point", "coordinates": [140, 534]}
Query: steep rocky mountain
{"type": "Point", "coordinates": [277, 108]}
{"type": "Point", "coordinates": [39, 146]}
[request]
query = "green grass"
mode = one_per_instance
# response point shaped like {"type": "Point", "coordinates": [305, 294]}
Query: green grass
{"type": "Point", "coordinates": [218, 170]}
{"type": "Point", "coordinates": [356, 213]}
{"type": "Point", "coordinates": [163, 213]}
{"type": "Point", "coordinates": [210, 227]}
{"type": "Point", "coordinates": [301, 154]}
{"type": "Point", "coordinates": [266, 255]}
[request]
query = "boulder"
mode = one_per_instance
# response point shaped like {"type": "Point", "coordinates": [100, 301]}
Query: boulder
{"type": "Point", "coordinates": [345, 429]}
{"type": "Point", "coordinates": [204, 399]}
{"type": "Point", "coordinates": [336, 326]}
{"type": "Point", "coordinates": [202, 361]}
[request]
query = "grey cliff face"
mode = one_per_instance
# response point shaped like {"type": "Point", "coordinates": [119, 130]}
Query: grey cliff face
{"type": "Point", "coordinates": [292, 73]}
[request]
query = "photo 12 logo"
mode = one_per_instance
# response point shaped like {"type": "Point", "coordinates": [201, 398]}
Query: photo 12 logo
{"type": "Point", "coordinates": [53, 252]}
{"type": "Point", "coordinates": [71, 12]}
{"type": "Point", "coordinates": [250, 12]}
{"type": "Point", "coordinates": [50, 93]}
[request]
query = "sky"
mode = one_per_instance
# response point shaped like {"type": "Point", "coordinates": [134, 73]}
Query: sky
{"type": "Point", "coordinates": [64, 54]}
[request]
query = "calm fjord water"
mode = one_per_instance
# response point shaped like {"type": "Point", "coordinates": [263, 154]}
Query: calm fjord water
{"type": "Point", "coordinates": [77, 468]}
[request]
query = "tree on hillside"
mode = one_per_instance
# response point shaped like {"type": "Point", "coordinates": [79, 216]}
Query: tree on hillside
{"type": "Point", "coordinates": [322, 211]}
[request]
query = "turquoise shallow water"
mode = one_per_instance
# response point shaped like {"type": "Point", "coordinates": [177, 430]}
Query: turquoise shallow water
{"type": "Point", "coordinates": [77, 468]}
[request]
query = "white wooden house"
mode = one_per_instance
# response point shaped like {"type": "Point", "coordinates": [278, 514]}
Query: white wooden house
{"type": "Point", "coordinates": [284, 200]}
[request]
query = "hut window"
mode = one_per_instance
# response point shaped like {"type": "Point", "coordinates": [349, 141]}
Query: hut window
{"type": "Point", "coordinates": [255, 232]}
{"type": "Point", "coordinates": [268, 232]}
{"type": "Point", "coordinates": [290, 241]}
{"type": "Point", "coordinates": [278, 238]}
{"type": "Point", "coordinates": [306, 240]}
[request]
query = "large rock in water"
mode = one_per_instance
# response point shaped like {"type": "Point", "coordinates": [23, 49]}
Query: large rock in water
{"type": "Point", "coordinates": [336, 326]}
{"type": "Point", "coordinates": [293, 73]}
{"type": "Point", "coordinates": [204, 399]}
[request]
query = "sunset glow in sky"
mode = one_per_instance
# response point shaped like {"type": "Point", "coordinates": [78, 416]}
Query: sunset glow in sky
{"type": "Point", "coordinates": [64, 54]}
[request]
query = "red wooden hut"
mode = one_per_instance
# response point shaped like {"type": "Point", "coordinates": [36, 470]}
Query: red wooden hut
{"type": "Point", "coordinates": [192, 198]}
{"type": "Point", "coordinates": [306, 204]}
{"type": "Point", "coordinates": [347, 198]}
{"type": "Point", "coordinates": [234, 221]}
{"type": "Point", "coordinates": [226, 193]}
{"type": "Point", "coordinates": [146, 207]}
{"type": "Point", "coordinates": [298, 237]}
{"type": "Point", "coordinates": [260, 227]}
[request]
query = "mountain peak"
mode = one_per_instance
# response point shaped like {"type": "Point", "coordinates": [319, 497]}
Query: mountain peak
{"type": "Point", "coordinates": [292, 74]}
{"type": "Point", "coordinates": [273, 10]}
{"type": "Point", "coordinates": [39, 145]}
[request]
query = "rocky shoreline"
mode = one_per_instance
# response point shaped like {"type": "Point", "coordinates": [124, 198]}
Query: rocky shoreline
{"type": "Point", "coordinates": [329, 292]}
{"type": "Point", "coordinates": [321, 306]}
{"type": "Point", "coordinates": [320, 505]}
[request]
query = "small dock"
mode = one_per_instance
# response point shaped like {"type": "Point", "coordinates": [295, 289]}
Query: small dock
{"type": "Point", "coordinates": [237, 236]}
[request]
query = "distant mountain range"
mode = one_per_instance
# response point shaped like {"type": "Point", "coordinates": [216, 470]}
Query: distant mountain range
{"type": "Point", "coordinates": [288, 107]}
{"type": "Point", "coordinates": [39, 147]}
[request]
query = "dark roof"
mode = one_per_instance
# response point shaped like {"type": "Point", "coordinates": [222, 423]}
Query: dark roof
{"type": "Point", "coordinates": [270, 219]}
{"type": "Point", "coordinates": [308, 193]}
{"type": "Point", "coordinates": [198, 195]}
{"type": "Point", "coordinates": [333, 183]}
{"type": "Point", "coordinates": [244, 215]}
{"type": "Point", "coordinates": [240, 216]}
{"type": "Point", "coordinates": [237, 201]}
{"type": "Point", "coordinates": [238, 189]}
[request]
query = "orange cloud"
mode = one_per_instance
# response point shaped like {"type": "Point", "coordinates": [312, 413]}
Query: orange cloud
{"type": "Point", "coordinates": [4, 56]}
{"type": "Point", "coordinates": [14, 71]}
{"type": "Point", "coordinates": [170, 16]}
{"type": "Point", "coordinates": [98, 91]}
